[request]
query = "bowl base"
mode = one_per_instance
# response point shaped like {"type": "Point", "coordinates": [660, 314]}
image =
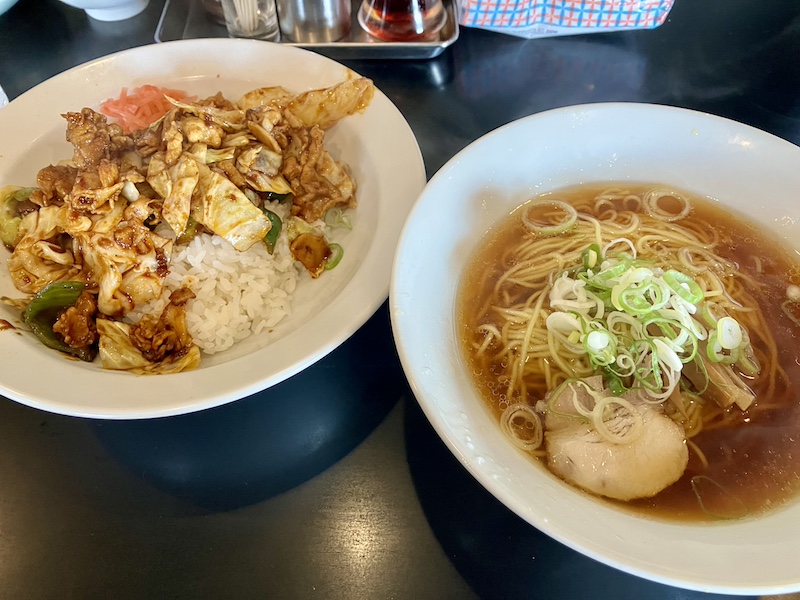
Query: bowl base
{"type": "Point", "coordinates": [118, 13]}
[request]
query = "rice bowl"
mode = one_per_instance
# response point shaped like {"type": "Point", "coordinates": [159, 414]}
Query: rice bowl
{"type": "Point", "coordinates": [385, 161]}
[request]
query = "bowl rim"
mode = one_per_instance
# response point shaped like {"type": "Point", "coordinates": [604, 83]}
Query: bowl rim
{"type": "Point", "coordinates": [355, 290]}
{"type": "Point", "coordinates": [401, 321]}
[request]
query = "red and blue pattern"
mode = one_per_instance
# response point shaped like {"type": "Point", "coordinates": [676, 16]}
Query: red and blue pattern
{"type": "Point", "coordinates": [566, 14]}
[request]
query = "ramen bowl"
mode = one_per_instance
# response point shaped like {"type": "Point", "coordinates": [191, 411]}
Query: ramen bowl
{"type": "Point", "coordinates": [743, 169]}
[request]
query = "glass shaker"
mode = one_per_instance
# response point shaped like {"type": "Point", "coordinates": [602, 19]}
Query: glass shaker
{"type": "Point", "coordinates": [402, 20]}
{"type": "Point", "coordinates": [254, 19]}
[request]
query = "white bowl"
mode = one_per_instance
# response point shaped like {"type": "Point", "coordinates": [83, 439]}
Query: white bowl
{"type": "Point", "coordinates": [109, 10]}
{"type": "Point", "coordinates": [752, 171]}
{"type": "Point", "coordinates": [378, 145]}
{"type": "Point", "coordinates": [6, 4]}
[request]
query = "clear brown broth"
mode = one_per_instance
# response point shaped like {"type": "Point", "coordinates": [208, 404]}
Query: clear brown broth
{"type": "Point", "coordinates": [756, 462]}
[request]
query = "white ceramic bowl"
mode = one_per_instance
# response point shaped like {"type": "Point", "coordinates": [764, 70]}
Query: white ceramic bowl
{"type": "Point", "coordinates": [110, 10]}
{"type": "Point", "coordinates": [752, 171]}
{"type": "Point", "coordinates": [6, 4]}
{"type": "Point", "coordinates": [385, 161]}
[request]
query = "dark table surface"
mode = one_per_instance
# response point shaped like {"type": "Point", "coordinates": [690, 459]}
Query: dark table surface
{"type": "Point", "coordinates": [333, 484]}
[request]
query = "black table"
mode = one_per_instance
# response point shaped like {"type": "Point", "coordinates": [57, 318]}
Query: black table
{"type": "Point", "coordinates": [332, 484]}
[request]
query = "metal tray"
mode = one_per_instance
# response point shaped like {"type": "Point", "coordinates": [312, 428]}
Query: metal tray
{"type": "Point", "coordinates": [187, 19]}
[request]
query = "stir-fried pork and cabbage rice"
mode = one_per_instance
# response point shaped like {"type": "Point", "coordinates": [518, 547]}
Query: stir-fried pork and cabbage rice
{"type": "Point", "coordinates": [152, 246]}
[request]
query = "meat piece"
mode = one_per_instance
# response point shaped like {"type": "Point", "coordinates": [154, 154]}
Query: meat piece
{"type": "Point", "coordinates": [125, 261]}
{"type": "Point", "coordinates": [312, 251]}
{"type": "Point", "coordinates": [55, 184]}
{"type": "Point", "coordinates": [117, 352]}
{"type": "Point", "coordinates": [173, 138]}
{"type": "Point", "coordinates": [96, 187]}
{"type": "Point", "coordinates": [317, 181]}
{"type": "Point", "coordinates": [641, 468]}
{"type": "Point", "coordinates": [156, 338]}
{"type": "Point", "coordinates": [227, 168]}
{"type": "Point", "coordinates": [196, 129]}
{"type": "Point", "coordinates": [260, 167]}
{"type": "Point", "coordinates": [148, 141]}
{"type": "Point", "coordinates": [93, 138]}
{"type": "Point", "coordinates": [217, 101]}
{"type": "Point", "coordinates": [77, 324]}
{"type": "Point", "coordinates": [262, 122]}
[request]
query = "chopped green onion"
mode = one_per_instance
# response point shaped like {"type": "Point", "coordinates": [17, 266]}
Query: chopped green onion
{"type": "Point", "coordinates": [639, 322]}
{"type": "Point", "coordinates": [716, 353]}
{"type": "Point", "coordinates": [527, 435]}
{"type": "Point", "coordinates": [564, 322]}
{"type": "Point", "coordinates": [570, 217]}
{"type": "Point", "coordinates": [652, 207]}
{"type": "Point", "coordinates": [632, 301]}
{"type": "Point", "coordinates": [620, 435]}
{"type": "Point", "coordinates": [601, 347]}
{"type": "Point", "coordinates": [667, 355]}
{"type": "Point", "coordinates": [729, 333]}
{"type": "Point", "coordinates": [748, 363]}
{"type": "Point", "coordinates": [684, 286]}
{"type": "Point", "coordinates": [591, 256]}
{"type": "Point", "coordinates": [335, 217]}
{"type": "Point", "coordinates": [598, 340]}
{"type": "Point", "coordinates": [612, 272]}
{"type": "Point", "coordinates": [614, 382]}
{"type": "Point", "coordinates": [711, 312]}
{"type": "Point", "coordinates": [336, 255]}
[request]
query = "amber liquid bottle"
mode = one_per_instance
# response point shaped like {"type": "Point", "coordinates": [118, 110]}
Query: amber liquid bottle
{"type": "Point", "coordinates": [402, 20]}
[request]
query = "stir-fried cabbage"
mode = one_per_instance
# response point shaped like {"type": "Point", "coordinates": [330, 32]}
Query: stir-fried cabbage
{"type": "Point", "coordinates": [108, 219]}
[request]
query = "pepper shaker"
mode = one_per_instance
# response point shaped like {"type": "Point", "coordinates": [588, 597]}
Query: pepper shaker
{"type": "Point", "coordinates": [314, 20]}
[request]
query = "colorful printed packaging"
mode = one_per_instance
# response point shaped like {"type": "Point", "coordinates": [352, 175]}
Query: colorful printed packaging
{"type": "Point", "coordinates": [546, 18]}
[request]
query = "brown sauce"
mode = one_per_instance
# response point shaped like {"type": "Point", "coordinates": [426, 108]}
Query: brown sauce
{"type": "Point", "coordinates": [753, 466]}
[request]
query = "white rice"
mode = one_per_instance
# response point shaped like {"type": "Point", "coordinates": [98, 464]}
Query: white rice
{"type": "Point", "coordinates": [237, 293]}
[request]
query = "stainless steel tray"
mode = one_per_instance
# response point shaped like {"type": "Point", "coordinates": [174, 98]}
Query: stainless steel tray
{"type": "Point", "coordinates": [187, 19]}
